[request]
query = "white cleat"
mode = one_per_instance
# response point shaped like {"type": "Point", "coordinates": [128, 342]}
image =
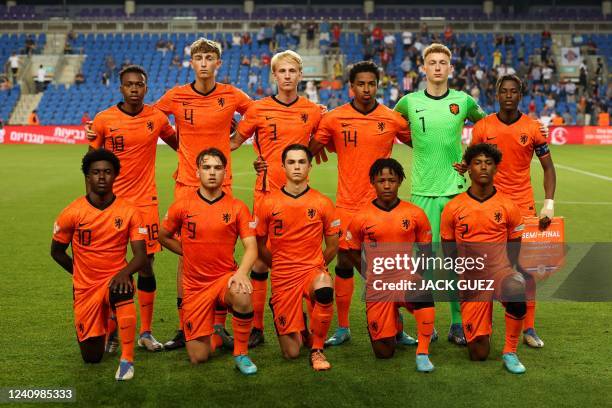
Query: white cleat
{"type": "Point", "coordinates": [125, 371]}
{"type": "Point", "coordinates": [149, 342]}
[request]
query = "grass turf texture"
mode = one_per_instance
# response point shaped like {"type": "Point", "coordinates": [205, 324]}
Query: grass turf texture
{"type": "Point", "coordinates": [40, 350]}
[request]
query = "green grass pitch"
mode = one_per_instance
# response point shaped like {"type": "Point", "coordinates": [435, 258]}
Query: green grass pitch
{"type": "Point", "coordinates": [39, 347]}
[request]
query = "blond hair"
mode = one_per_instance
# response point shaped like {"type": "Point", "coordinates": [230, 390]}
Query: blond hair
{"type": "Point", "coordinates": [436, 48]}
{"type": "Point", "coordinates": [289, 55]}
{"type": "Point", "coordinates": [204, 45]}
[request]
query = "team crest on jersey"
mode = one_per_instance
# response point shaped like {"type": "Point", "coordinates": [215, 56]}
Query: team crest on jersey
{"type": "Point", "coordinates": [221, 102]}
{"type": "Point", "coordinates": [189, 326]}
{"type": "Point", "coordinates": [405, 224]}
{"type": "Point", "coordinates": [497, 216]}
{"type": "Point", "coordinates": [469, 327]}
{"type": "Point", "coordinates": [311, 213]}
{"type": "Point", "coordinates": [226, 218]}
{"type": "Point", "coordinates": [150, 125]}
{"type": "Point", "coordinates": [374, 326]}
{"type": "Point", "coordinates": [304, 117]}
{"type": "Point", "coordinates": [454, 108]}
{"type": "Point", "coordinates": [282, 321]}
{"type": "Point", "coordinates": [81, 327]}
{"type": "Point", "coordinates": [118, 222]}
{"type": "Point", "coordinates": [381, 126]}
{"type": "Point", "coordinates": [523, 139]}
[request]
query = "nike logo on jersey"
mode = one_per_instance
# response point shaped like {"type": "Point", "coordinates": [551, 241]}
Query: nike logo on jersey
{"type": "Point", "coordinates": [274, 214]}
{"type": "Point", "coordinates": [269, 117]}
{"type": "Point", "coordinates": [186, 103]}
{"type": "Point", "coordinates": [369, 226]}
{"type": "Point", "coordinates": [420, 110]}
{"type": "Point", "coordinates": [344, 124]}
{"type": "Point", "coordinates": [82, 223]}
{"type": "Point", "coordinates": [113, 130]}
{"type": "Point", "coordinates": [462, 217]}
{"type": "Point", "coordinates": [491, 138]}
{"type": "Point", "coordinates": [191, 215]}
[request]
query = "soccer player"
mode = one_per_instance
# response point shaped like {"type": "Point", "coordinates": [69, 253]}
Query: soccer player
{"type": "Point", "coordinates": [130, 130]}
{"type": "Point", "coordinates": [295, 220]}
{"type": "Point", "coordinates": [276, 122]}
{"type": "Point", "coordinates": [389, 219]}
{"type": "Point", "coordinates": [99, 226]}
{"type": "Point", "coordinates": [203, 111]}
{"type": "Point", "coordinates": [485, 221]}
{"type": "Point", "coordinates": [518, 137]}
{"type": "Point", "coordinates": [360, 132]}
{"type": "Point", "coordinates": [209, 222]}
{"type": "Point", "coordinates": [437, 116]}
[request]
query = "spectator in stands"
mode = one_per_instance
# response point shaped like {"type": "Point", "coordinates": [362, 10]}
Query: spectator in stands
{"type": "Point", "coordinates": [603, 119]}
{"type": "Point", "coordinates": [377, 36]}
{"type": "Point", "coordinates": [265, 60]}
{"type": "Point", "coordinates": [389, 42]}
{"type": "Point", "coordinates": [111, 65]}
{"type": "Point", "coordinates": [30, 45]}
{"type": "Point", "coordinates": [333, 102]}
{"type": "Point", "coordinates": [599, 71]}
{"type": "Point", "coordinates": [406, 64]}
{"type": "Point", "coordinates": [407, 39]}
{"type": "Point", "coordinates": [255, 63]}
{"type": "Point", "coordinates": [338, 69]}
{"type": "Point", "coordinates": [85, 118]}
{"type": "Point", "coordinates": [336, 31]}
{"type": "Point", "coordinates": [582, 77]}
{"type": "Point", "coordinates": [105, 79]}
{"type": "Point", "coordinates": [385, 58]}
{"type": "Point", "coordinates": [324, 31]}
{"type": "Point", "coordinates": [567, 117]}
{"type": "Point", "coordinates": [296, 31]}
{"type": "Point", "coordinates": [170, 46]}
{"type": "Point", "coordinates": [41, 79]}
{"type": "Point", "coordinates": [67, 47]}
{"type": "Point", "coordinates": [368, 50]}
{"type": "Point", "coordinates": [14, 63]}
{"type": "Point", "coordinates": [261, 35]}
{"type": "Point", "coordinates": [161, 45]}
{"type": "Point", "coordinates": [547, 73]}
{"type": "Point", "coordinates": [246, 38]}
{"type": "Point", "coordinates": [79, 78]}
{"type": "Point", "coordinates": [33, 119]}
{"type": "Point", "coordinates": [394, 94]}
{"type": "Point", "coordinates": [311, 29]}
{"type": "Point", "coordinates": [546, 116]}
{"type": "Point", "coordinates": [536, 74]}
{"type": "Point", "coordinates": [279, 32]}
{"type": "Point", "coordinates": [448, 34]}
{"type": "Point", "coordinates": [252, 81]}
{"type": "Point", "coordinates": [5, 85]}
{"type": "Point", "coordinates": [557, 120]}
{"type": "Point", "coordinates": [176, 61]}
{"type": "Point", "coordinates": [187, 51]}
{"type": "Point", "coordinates": [245, 61]}
{"type": "Point", "coordinates": [311, 92]}
{"type": "Point", "coordinates": [497, 55]}
{"type": "Point", "coordinates": [71, 36]}
{"type": "Point", "coordinates": [424, 32]}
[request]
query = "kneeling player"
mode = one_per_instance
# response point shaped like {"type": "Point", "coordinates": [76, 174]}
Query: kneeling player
{"type": "Point", "coordinates": [296, 219]}
{"type": "Point", "coordinates": [99, 227]}
{"type": "Point", "coordinates": [479, 218]}
{"type": "Point", "coordinates": [209, 222]}
{"type": "Point", "coordinates": [389, 219]}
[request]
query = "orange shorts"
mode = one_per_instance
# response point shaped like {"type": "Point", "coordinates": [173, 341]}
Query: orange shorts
{"type": "Point", "coordinates": [287, 306]}
{"type": "Point", "coordinates": [150, 218]}
{"type": "Point", "coordinates": [199, 307]}
{"type": "Point", "coordinates": [91, 311]}
{"type": "Point", "coordinates": [383, 318]}
{"type": "Point", "coordinates": [183, 190]}
{"type": "Point", "coordinates": [346, 216]}
{"type": "Point", "coordinates": [477, 318]}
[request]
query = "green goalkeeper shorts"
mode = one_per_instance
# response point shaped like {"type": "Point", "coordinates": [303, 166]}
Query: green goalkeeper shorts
{"type": "Point", "coordinates": [433, 207]}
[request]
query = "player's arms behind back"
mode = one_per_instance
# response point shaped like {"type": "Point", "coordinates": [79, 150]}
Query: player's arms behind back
{"type": "Point", "coordinates": [59, 255]}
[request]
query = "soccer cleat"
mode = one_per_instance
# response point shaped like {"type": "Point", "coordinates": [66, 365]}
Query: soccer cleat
{"type": "Point", "coordinates": [456, 335]}
{"type": "Point", "coordinates": [513, 364]}
{"type": "Point", "coordinates": [112, 343]}
{"type": "Point", "coordinates": [256, 337]}
{"type": "Point", "coordinates": [149, 342]}
{"type": "Point", "coordinates": [423, 364]}
{"type": "Point", "coordinates": [245, 365]}
{"type": "Point", "coordinates": [177, 342]}
{"type": "Point", "coordinates": [405, 339]}
{"type": "Point", "coordinates": [434, 336]}
{"type": "Point", "coordinates": [531, 338]}
{"type": "Point", "coordinates": [226, 338]}
{"type": "Point", "coordinates": [342, 335]}
{"type": "Point", "coordinates": [125, 371]}
{"type": "Point", "coordinates": [318, 361]}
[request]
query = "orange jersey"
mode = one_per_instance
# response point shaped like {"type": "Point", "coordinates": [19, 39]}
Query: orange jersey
{"type": "Point", "coordinates": [359, 140]}
{"type": "Point", "coordinates": [133, 139]}
{"type": "Point", "coordinates": [295, 226]}
{"type": "Point", "coordinates": [202, 121]}
{"type": "Point", "coordinates": [466, 219]}
{"type": "Point", "coordinates": [404, 223]}
{"type": "Point", "coordinates": [99, 238]}
{"type": "Point", "coordinates": [209, 230]}
{"type": "Point", "coordinates": [517, 142]}
{"type": "Point", "coordinates": [276, 125]}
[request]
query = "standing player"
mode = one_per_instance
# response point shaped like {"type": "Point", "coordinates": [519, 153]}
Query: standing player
{"type": "Point", "coordinates": [130, 130]}
{"type": "Point", "coordinates": [483, 217]}
{"type": "Point", "coordinates": [295, 220]}
{"type": "Point", "coordinates": [361, 132]}
{"type": "Point", "coordinates": [437, 116]}
{"type": "Point", "coordinates": [517, 137]}
{"type": "Point", "coordinates": [209, 222]}
{"type": "Point", "coordinates": [389, 219]}
{"type": "Point", "coordinates": [276, 122]}
{"type": "Point", "coordinates": [203, 111]}
{"type": "Point", "coordinates": [99, 226]}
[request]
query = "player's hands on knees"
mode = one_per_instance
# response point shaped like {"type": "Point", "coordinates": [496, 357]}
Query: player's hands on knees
{"type": "Point", "coordinates": [121, 283]}
{"type": "Point", "coordinates": [461, 168]}
{"type": "Point", "coordinates": [91, 135]}
{"type": "Point", "coordinates": [240, 282]}
{"type": "Point", "coordinates": [260, 165]}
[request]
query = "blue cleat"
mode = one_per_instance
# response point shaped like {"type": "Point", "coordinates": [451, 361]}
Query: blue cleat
{"type": "Point", "coordinates": [456, 335]}
{"type": "Point", "coordinates": [125, 371]}
{"type": "Point", "coordinates": [531, 338]}
{"type": "Point", "coordinates": [245, 365]}
{"type": "Point", "coordinates": [405, 339]}
{"type": "Point", "coordinates": [513, 364]}
{"type": "Point", "coordinates": [342, 335]}
{"type": "Point", "coordinates": [423, 364]}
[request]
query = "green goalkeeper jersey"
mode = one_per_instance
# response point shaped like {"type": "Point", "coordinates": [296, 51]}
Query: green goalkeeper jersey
{"type": "Point", "coordinates": [436, 124]}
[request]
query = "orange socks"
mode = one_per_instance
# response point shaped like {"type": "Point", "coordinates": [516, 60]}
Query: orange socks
{"type": "Point", "coordinates": [322, 314]}
{"type": "Point", "coordinates": [425, 324]}
{"type": "Point", "coordinates": [514, 326]}
{"type": "Point", "coordinates": [344, 284]}
{"type": "Point", "coordinates": [260, 290]}
{"type": "Point", "coordinates": [126, 321]}
{"type": "Point", "coordinates": [241, 325]}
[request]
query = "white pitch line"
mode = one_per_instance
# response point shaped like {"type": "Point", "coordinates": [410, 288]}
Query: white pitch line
{"type": "Point", "coordinates": [587, 173]}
